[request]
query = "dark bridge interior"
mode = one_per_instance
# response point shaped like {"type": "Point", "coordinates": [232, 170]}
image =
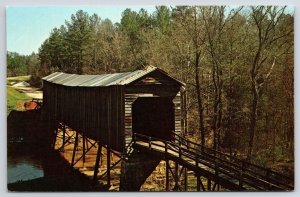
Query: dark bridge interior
{"type": "Point", "coordinates": [154, 116]}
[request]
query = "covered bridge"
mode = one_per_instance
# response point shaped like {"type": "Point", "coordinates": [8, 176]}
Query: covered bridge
{"type": "Point", "coordinates": [109, 108]}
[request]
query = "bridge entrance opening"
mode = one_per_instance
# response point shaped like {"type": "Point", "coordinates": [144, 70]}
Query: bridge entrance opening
{"type": "Point", "coordinates": [154, 116]}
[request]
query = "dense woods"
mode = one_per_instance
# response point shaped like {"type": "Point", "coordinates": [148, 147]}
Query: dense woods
{"type": "Point", "coordinates": [21, 64]}
{"type": "Point", "coordinates": [237, 63]}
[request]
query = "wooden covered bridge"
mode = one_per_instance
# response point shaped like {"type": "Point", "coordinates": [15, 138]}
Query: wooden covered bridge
{"type": "Point", "coordinates": [141, 117]}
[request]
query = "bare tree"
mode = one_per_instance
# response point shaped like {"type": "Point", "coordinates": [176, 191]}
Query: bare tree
{"type": "Point", "coordinates": [189, 18]}
{"type": "Point", "coordinates": [215, 22]}
{"type": "Point", "coordinates": [266, 20]}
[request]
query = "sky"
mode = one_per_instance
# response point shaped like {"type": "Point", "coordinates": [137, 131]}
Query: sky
{"type": "Point", "coordinates": [28, 27]}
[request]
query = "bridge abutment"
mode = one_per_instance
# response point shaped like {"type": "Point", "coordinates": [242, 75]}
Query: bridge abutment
{"type": "Point", "coordinates": [136, 169]}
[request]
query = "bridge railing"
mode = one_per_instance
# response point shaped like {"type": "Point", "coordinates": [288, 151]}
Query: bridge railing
{"type": "Point", "coordinates": [185, 154]}
{"type": "Point", "coordinates": [249, 168]}
{"type": "Point", "coordinates": [220, 163]}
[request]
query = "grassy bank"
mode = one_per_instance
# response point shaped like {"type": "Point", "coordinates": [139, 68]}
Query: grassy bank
{"type": "Point", "coordinates": [13, 97]}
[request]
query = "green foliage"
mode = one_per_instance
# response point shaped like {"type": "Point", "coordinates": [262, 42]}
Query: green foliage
{"type": "Point", "coordinates": [35, 81]}
{"type": "Point", "coordinates": [270, 154]}
{"type": "Point", "coordinates": [162, 19]}
{"type": "Point", "coordinates": [20, 64]}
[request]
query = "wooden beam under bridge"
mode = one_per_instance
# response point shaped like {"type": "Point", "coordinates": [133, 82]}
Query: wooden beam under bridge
{"type": "Point", "coordinates": [62, 133]}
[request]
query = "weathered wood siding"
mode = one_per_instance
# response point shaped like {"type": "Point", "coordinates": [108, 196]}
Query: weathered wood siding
{"type": "Point", "coordinates": [129, 99]}
{"type": "Point", "coordinates": [177, 109]}
{"type": "Point", "coordinates": [183, 98]}
{"type": "Point", "coordinates": [96, 112]}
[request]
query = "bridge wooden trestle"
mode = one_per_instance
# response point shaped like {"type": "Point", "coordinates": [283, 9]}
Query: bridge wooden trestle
{"type": "Point", "coordinates": [81, 145]}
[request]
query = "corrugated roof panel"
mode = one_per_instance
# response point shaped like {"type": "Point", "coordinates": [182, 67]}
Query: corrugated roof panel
{"type": "Point", "coordinates": [78, 80]}
{"type": "Point", "coordinates": [49, 76]}
{"type": "Point", "coordinates": [88, 80]}
{"type": "Point", "coordinates": [95, 80]}
{"type": "Point", "coordinates": [84, 79]}
{"type": "Point", "coordinates": [137, 74]}
{"type": "Point", "coordinates": [126, 77]}
{"type": "Point", "coordinates": [100, 80]}
{"type": "Point", "coordinates": [115, 79]}
{"type": "Point", "coordinates": [104, 81]}
{"type": "Point", "coordinates": [120, 78]}
{"type": "Point", "coordinates": [57, 77]}
{"type": "Point", "coordinates": [65, 77]}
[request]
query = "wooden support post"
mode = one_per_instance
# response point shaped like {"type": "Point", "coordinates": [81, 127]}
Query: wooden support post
{"type": "Point", "coordinates": [176, 177]}
{"type": "Point", "coordinates": [74, 150]}
{"type": "Point", "coordinates": [54, 138]}
{"type": "Point", "coordinates": [134, 138]}
{"type": "Point", "coordinates": [83, 150]}
{"type": "Point", "coordinates": [214, 187]}
{"type": "Point", "coordinates": [97, 163]}
{"type": "Point", "coordinates": [179, 152]}
{"type": "Point", "coordinates": [64, 136]}
{"type": "Point", "coordinates": [167, 175]}
{"type": "Point", "coordinates": [208, 184]}
{"type": "Point", "coordinates": [150, 142]}
{"type": "Point", "coordinates": [201, 185]}
{"type": "Point", "coordinates": [185, 179]}
{"type": "Point", "coordinates": [198, 182]}
{"type": "Point", "coordinates": [108, 165]}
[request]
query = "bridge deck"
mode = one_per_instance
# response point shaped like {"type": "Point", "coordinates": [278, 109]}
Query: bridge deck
{"type": "Point", "coordinates": [231, 173]}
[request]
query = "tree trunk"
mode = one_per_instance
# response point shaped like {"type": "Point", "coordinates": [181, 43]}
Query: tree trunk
{"type": "Point", "coordinates": [253, 118]}
{"type": "Point", "coordinates": [80, 63]}
{"type": "Point", "coordinates": [199, 98]}
{"type": "Point", "coordinates": [254, 92]}
{"type": "Point", "coordinates": [217, 116]}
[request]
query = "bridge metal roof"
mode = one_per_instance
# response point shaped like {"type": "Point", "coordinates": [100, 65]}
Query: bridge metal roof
{"type": "Point", "coordinates": [101, 80]}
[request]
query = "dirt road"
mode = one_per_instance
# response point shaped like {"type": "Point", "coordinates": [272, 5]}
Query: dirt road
{"type": "Point", "coordinates": [30, 91]}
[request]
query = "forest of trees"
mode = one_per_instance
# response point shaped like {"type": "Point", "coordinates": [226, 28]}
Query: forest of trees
{"type": "Point", "coordinates": [237, 62]}
{"type": "Point", "coordinates": [21, 64]}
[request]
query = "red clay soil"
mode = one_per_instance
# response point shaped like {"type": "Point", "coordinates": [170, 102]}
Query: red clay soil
{"type": "Point", "coordinates": [30, 105]}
